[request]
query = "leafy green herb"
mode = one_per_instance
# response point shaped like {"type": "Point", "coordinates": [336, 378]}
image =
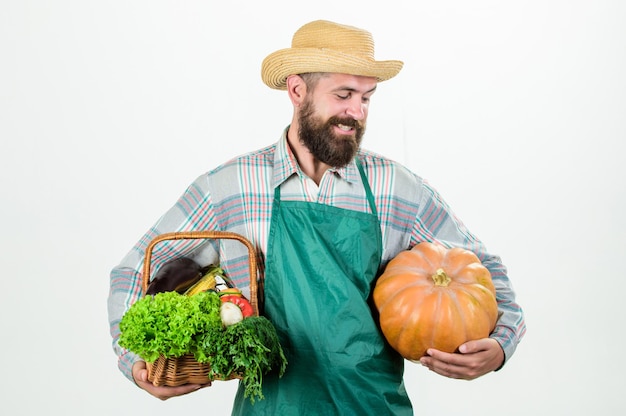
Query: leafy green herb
{"type": "Point", "coordinates": [249, 348]}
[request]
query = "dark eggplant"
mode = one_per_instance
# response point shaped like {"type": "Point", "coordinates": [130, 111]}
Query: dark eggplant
{"type": "Point", "coordinates": [175, 276]}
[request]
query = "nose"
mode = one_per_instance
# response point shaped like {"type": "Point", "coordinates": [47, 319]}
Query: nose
{"type": "Point", "coordinates": [356, 109]}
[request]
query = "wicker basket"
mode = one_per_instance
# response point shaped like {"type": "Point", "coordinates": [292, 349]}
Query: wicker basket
{"type": "Point", "coordinates": [176, 371]}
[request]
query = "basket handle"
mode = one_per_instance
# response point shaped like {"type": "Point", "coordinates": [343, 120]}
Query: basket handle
{"type": "Point", "coordinates": [190, 235]}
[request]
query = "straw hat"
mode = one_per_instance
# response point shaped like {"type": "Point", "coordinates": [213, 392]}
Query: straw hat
{"type": "Point", "coordinates": [323, 46]}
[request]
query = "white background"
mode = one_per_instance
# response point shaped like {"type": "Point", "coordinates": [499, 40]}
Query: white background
{"type": "Point", "coordinates": [514, 111]}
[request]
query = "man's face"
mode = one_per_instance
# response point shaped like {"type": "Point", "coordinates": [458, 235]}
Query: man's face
{"type": "Point", "coordinates": [332, 117]}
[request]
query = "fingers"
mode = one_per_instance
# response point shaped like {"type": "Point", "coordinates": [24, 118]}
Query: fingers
{"type": "Point", "coordinates": [474, 359]}
{"type": "Point", "coordinates": [444, 364]}
{"type": "Point", "coordinates": [164, 392]}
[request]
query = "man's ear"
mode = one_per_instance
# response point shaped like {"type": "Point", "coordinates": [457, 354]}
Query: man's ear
{"type": "Point", "coordinates": [296, 88]}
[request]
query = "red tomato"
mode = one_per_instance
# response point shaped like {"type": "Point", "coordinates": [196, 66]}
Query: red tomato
{"type": "Point", "coordinates": [244, 305]}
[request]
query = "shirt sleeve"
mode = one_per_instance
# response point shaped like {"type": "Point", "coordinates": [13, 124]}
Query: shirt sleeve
{"type": "Point", "coordinates": [436, 222]}
{"type": "Point", "coordinates": [191, 211]}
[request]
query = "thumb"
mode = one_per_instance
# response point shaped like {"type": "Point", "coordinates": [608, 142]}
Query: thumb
{"type": "Point", "coordinates": [140, 372]}
{"type": "Point", "coordinates": [468, 348]}
{"type": "Point", "coordinates": [475, 346]}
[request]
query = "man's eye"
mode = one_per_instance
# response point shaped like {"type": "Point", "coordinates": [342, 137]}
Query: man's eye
{"type": "Point", "coordinates": [343, 97]}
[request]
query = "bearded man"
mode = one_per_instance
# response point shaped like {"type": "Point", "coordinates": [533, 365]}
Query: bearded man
{"type": "Point", "coordinates": [325, 216]}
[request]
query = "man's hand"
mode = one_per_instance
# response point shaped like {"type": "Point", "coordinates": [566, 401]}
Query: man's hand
{"type": "Point", "coordinates": [140, 374]}
{"type": "Point", "coordinates": [474, 359]}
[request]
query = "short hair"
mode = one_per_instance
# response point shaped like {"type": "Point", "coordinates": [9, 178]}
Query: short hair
{"type": "Point", "coordinates": [312, 78]}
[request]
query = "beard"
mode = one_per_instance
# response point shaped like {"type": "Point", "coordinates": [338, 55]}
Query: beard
{"type": "Point", "coordinates": [336, 150]}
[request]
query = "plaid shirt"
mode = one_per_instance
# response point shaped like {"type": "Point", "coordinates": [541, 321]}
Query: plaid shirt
{"type": "Point", "coordinates": [237, 196]}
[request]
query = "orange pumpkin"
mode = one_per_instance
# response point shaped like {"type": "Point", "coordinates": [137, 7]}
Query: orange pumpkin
{"type": "Point", "coordinates": [434, 297]}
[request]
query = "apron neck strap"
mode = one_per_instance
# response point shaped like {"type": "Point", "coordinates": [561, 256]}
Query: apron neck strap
{"type": "Point", "coordinates": [366, 185]}
{"type": "Point", "coordinates": [368, 190]}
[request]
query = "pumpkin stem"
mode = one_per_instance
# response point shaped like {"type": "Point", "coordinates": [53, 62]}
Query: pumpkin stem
{"type": "Point", "coordinates": [441, 278]}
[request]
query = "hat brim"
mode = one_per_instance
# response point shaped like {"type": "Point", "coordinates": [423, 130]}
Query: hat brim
{"type": "Point", "coordinates": [277, 66]}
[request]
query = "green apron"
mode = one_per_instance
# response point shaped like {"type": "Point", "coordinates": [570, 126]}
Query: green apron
{"type": "Point", "coordinates": [320, 267]}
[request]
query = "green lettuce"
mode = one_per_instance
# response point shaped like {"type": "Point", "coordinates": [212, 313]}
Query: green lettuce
{"type": "Point", "coordinates": [169, 324]}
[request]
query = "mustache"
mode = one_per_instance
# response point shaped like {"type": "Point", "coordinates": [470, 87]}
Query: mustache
{"type": "Point", "coordinates": [346, 121]}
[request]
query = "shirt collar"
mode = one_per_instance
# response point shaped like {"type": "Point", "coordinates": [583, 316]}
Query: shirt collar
{"type": "Point", "coordinates": [285, 164]}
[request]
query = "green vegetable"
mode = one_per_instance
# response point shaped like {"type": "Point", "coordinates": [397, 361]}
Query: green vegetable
{"type": "Point", "coordinates": [169, 324]}
{"type": "Point", "coordinates": [250, 348]}
{"type": "Point", "coordinates": [172, 325]}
